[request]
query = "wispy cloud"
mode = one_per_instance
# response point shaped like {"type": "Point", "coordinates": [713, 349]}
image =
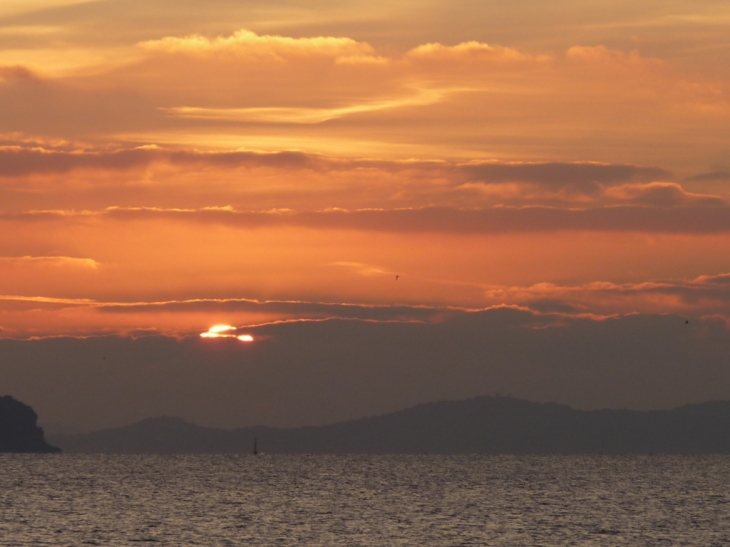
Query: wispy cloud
{"type": "Point", "coordinates": [47, 300]}
{"type": "Point", "coordinates": [246, 42]}
{"type": "Point", "coordinates": [703, 295]}
{"type": "Point", "coordinates": [550, 303]}
{"type": "Point", "coordinates": [690, 219]}
{"type": "Point", "coordinates": [24, 159]}
{"type": "Point", "coordinates": [301, 115]}
{"type": "Point", "coordinates": [185, 317]}
{"type": "Point", "coordinates": [54, 261]}
{"type": "Point", "coordinates": [711, 176]}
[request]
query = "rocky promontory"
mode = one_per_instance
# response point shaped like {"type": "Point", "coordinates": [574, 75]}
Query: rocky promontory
{"type": "Point", "coordinates": [19, 431]}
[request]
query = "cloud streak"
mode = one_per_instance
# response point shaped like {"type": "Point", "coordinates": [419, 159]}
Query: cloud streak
{"type": "Point", "coordinates": [300, 115]}
{"type": "Point", "coordinates": [586, 175]}
{"type": "Point", "coordinates": [282, 309]}
{"type": "Point", "coordinates": [247, 43]}
{"type": "Point", "coordinates": [712, 219]}
{"type": "Point", "coordinates": [17, 161]}
{"type": "Point", "coordinates": [24, 159]}
{"type": "Point", "coordinates": [56, 261]}
{"type": "Point", "coordinates": [285, 309]}
{"type": "Point", "coordinates": [551, 305]}
{"type": "Point", "coordinates": [412, 183]}
{"type": "Point", "coordinates": [704, 295]}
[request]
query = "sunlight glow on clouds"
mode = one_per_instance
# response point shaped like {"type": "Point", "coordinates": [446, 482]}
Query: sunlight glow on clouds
{"type": "Point", "coordinates": [220, 329]}
{"type": "Point", "coordinates": [249, 43]}
{"type": "Point", "coordinates": [50, 260]}
{"type": "Point", "coordinates": [236, 156]}
{"type": "Point", "coordinates": [302, 115]}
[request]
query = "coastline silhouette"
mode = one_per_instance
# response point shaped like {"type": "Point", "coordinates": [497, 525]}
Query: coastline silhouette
{"type": "Point", "coordinates": [482, 425]}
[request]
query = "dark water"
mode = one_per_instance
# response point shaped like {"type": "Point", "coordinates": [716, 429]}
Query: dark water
{"type": "Point", "coordinates": [364, 500]}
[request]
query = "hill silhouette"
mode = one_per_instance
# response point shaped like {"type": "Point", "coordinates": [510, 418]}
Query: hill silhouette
{"type": "Point", "coordinates": [19, 431]}
{"type": "Point", "coordinates": [482, 425]}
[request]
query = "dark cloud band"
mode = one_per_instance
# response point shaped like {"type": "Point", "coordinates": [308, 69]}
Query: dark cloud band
{"type": "Point", "coordinates": [18, 161]}
{"type": "Point", "coordinates": [697, 219]}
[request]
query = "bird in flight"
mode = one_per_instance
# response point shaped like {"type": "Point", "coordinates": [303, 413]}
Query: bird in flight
{"type": "Point", "coordinates": [396, 277]}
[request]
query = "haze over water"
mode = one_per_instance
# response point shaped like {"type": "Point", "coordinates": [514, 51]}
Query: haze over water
{"type": "Point", "coordinates": [364, 500]}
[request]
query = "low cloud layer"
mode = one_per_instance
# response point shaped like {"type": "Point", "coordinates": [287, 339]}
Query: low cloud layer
{"type": "Point", "coordinates": [27, 158]}
{"type": "Point", "coordinates": [692, 299]}
{"type": "Point", "coordinates": [320, 372]}
{"type": "Point", "coordinates": [702, 296]}
{"type": "Point", "coordinates": [60, 175]}
{"type": "Point", "coordinates": [496, 220]}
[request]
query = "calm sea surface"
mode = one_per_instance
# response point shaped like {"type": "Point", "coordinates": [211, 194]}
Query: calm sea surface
{"type": "Point", "coordinates": [364, 500]}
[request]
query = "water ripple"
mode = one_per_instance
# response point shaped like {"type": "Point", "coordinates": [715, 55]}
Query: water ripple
{"type": "Point", "coordinates": [354, 501]}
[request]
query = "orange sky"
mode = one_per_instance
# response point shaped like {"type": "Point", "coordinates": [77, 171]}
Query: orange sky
{"type": "Point", "coordinates": [169, 166]}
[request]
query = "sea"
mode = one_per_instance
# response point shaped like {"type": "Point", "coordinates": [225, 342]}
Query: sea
{"type": "Point", "coordinates": [280, 500]}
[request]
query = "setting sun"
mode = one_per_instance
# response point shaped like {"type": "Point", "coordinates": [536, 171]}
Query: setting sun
{"type": "Point", "coordinates": [218, 329]}
{"type": "Point", "coordinates": [225, 331]}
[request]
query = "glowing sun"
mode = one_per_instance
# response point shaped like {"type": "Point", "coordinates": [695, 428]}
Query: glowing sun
{"type": "Point", "coordinates": [225, 331]}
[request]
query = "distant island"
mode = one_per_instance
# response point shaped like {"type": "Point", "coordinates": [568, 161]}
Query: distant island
{"type": "Point", "coordinates": [482, 425]}
{"type": "Point", "coordinates": [19, 431]}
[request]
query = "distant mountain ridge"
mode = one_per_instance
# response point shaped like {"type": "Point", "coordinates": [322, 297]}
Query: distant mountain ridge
{"type": "Point", "coordinates": [19, 431]}
{"type": "Point", "coordinates": [481, 425]}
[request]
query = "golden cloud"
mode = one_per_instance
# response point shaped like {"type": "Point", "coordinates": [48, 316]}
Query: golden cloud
{"type": "Point", "coordinates": [55, 261]}
{"type": "Point", "coordinates": [423, 97]}
{"type": "Point", "coordinates": [247, 43]}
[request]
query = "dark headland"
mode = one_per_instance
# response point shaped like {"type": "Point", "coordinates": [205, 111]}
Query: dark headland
{"type": "Point", "coordinates": [19, 431]}
{"type": "Point", "coordinates": [482, 425]}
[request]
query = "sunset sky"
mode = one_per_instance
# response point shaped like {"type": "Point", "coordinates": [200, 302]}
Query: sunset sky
{"type": "Point", "coordinates": [167, 166]}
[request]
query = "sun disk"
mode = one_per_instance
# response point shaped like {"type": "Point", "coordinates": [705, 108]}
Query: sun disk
{"type": "Point", "coordinates": [221, 328]}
